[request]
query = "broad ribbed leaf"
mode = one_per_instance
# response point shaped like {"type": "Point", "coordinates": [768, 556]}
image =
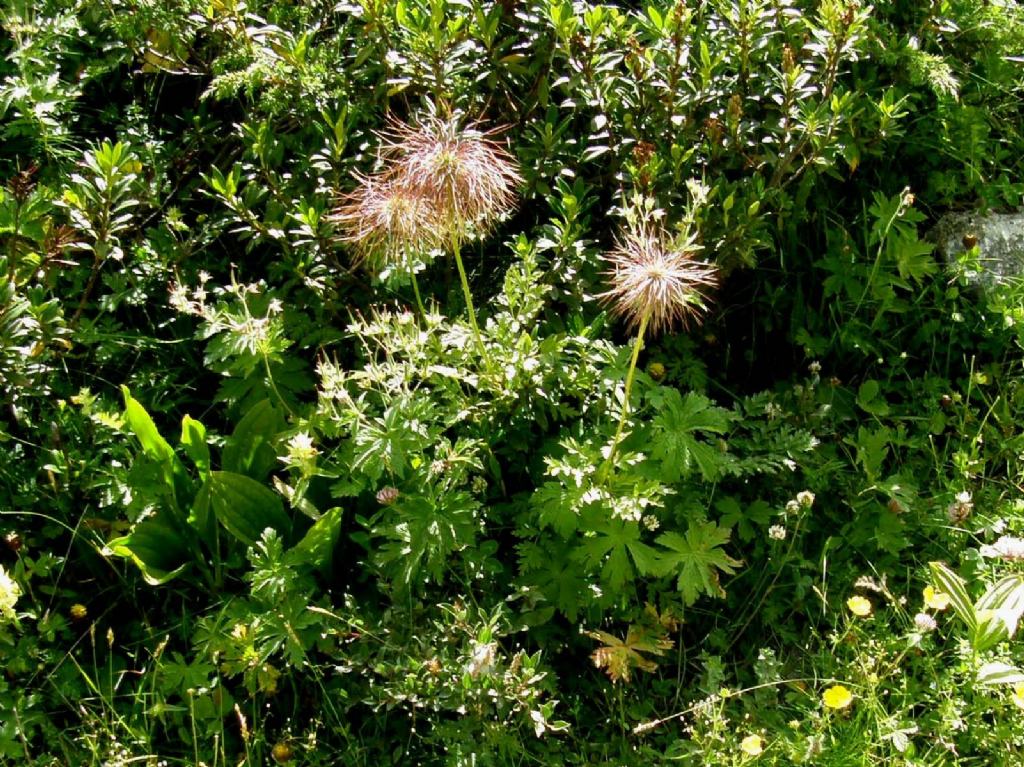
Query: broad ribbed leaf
{"type": "Point", "coordinates": [155, 547]}
{"type": "Point", "coordinates": [245, 507]}
{"type": "Point", "coordinates": [948, 582]}
{"type": "Point", "coordinates": [998, 612]}
{"type": "Point", "coordinates": [998, 672]}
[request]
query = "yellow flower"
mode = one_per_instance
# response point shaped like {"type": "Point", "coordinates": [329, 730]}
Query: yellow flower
{"type": "Point", "coordinates": [751, 745]}
{"type": "Point", "coordinates": [1017, 696]}
{"type": "Point", "coordinates": [837, 696]}
{"type": "Point", "coordinates": [935, 600]}
{"type": "Point", "coordinates": [859, 606]}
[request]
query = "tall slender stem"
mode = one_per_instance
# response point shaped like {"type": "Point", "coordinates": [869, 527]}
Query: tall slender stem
{"type": "Point", "coordinates": [416, 292]}
{"type": "Point", "coordinates": [637, 346]}
{"type": "Point", "coordinates": [469, 298]}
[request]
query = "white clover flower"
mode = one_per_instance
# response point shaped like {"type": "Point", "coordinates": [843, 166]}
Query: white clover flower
{"type": "Point", "coordinates": [9, 593]}
{"type": "Point", "coordinates": [777, 532]}
{"type": "Point", "coordinates": [1007, 547]}
{"type": "Point", "coordinates": [961, 507]}
{"type": "Point", "coordinates": [805, 498]}
{"type": "Point", "coordinates": [651, 522]}
{"type": "Point", "coordinates": [925, 623]}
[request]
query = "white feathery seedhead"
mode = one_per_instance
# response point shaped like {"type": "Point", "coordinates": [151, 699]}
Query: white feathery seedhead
{"type": "Point", "coordinates": [654, 279]}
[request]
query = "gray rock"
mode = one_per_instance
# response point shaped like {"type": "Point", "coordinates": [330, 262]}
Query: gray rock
{"type": "Point", "coordinates": [1000, 241]}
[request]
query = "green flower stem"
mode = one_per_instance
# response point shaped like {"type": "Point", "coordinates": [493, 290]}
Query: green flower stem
{"type": "Point", "coordinates": [637, 346]}
{"type": "Point", "coordinates": [416, 292]}
{"type": "Point", "coordinates": [469, 300]}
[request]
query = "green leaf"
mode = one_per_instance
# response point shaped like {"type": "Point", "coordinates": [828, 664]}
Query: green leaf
{"type": "Point", "coordinates": [998, 612]}
{"type": "Point", "coordinates": [193, 440]}
{"type": "Point", "coordinates": [948, 582]}
{"type": "Point", "coordinates": [617, 540]}
{"type": "Point", "coordinates": [557, 506]}
{"type": "Point", "coordinates": [697, 559]}
{"type": "Point", "coordinates": [914, 258]}
{"type": "Point", "coordinates": [676, 428]}
{"type": "Point", "coordinates": [869, 398]}
{"type": "Point", "coordinates": [245, 507]}
{"type": "Point", "coordinates": [158, 450]}
{"type": "Point", "coordinates": [201, 518]}
{"type": "Point", "coordinates": [656, 17]}
{"type": "Point", "coordinates": [749, 520]}
{"type": "Point", "coordinates": [997, 672]}
{"type": "Point", "coordinates": [872, 450]}
{"type": "Point", "coordinates": [248, 450]}
{"type": "Point", "coordinates": [423, 533]}
{"type": "Point", "coordinates": [143, 427]}
{"type": "Point", "coordinates": [316, 549]}
{"type": "Point", "coordinates": [156, 547]}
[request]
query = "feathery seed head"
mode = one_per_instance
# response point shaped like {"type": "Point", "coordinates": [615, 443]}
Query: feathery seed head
{"type": "Point", "coordinates": [653, 279]}
{"type": "Point", "coordinates": [465, 176]}
{"type": "Point", "coordinates": [384, 219]}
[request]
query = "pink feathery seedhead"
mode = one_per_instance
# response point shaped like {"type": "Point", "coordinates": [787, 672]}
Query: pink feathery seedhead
{"type": "Point", "coordinates": [384, 219]}
{"type": "Point", "coordinates": [466, 177]}
{"type": "Point", "coordinates": [653, 279]}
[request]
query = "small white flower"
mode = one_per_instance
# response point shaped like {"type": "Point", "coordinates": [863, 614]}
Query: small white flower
{"type": "Point", "coordinates": [179, 300]}
{"type": "Point", "coordinates": [9, 593]}
{"type": "Point", "coordinates": [777, 533]}
{"type": "Point", "coordinates": [301, 453]}
{"type": "Point", "coordinates": [792, 507]}
{"type": "Point", "coordinates": [651, 522]}
{"type": "Point", "coordinates": [925, 623]}
{"type": "Point", "coordinates": [482, 659]}
{"type": "Point", "coordinates": [961, 507]}
{"type": "Point", "coordinates": [1007, 547]}
{"type": "Point", "coordinates": [805, 498]}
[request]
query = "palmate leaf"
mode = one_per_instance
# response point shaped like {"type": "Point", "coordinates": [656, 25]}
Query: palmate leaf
{"type": "Point", "coordinates": [558, 505]}
{"type": "Point", "coordinates": [543, 567]}
{"type": "Point", "coordinates": [696, 558]}
{"type": "Point", "coordinates": [615, 548]}
{"type": "Point", "coordinates": [618, 657]}
{"type": "Point", "coordinates": [421, 535]}
{"type": "Point", "coordinates": [677, 426]}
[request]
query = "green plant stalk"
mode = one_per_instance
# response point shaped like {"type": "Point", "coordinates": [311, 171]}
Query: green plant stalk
{"type": "Point", "coordinates": [416, 292]}
{"type": "Point", "coordinates": [637, 346]}
{"type": "Point", "coordinates": [469, 299]}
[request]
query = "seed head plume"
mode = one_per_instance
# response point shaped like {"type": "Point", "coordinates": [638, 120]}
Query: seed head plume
{"type": "Point", "coordinates": [385, 220]}
{"type": "Point", "coordinates": [465, 176]}
{"type": "Point", "coordinates": [440, 180]}
{"type": "Point", "coordinates": [655, 283]}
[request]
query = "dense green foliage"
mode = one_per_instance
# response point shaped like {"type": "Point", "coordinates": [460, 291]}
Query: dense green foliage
{"type": "Point", "coordinates": [265, 499]}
